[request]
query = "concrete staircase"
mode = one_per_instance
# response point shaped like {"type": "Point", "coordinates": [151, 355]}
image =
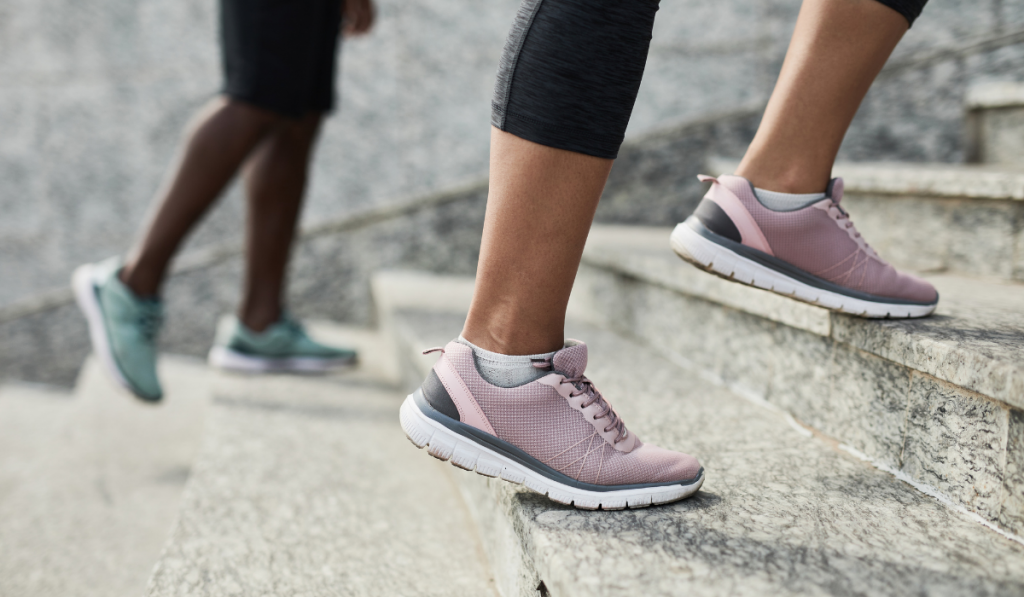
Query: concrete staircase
{"type": "Point", "coordinates": [844, 456]}
{"type": "Point", "coordinates": [784, 511]}
{"type": "Point", "coordinates": [305, 486]}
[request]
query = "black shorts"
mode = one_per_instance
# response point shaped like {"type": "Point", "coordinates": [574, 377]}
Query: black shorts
{"type": "Point", "coordinates": [281, 55]}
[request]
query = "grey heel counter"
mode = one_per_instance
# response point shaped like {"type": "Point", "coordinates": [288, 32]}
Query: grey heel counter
{"type": "Point", "coordinates": [437, 396]}
{"type": "Point", "coordinates": [716, 220]}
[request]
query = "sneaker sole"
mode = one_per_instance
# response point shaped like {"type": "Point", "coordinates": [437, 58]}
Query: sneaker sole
{"type": "Point", "coordinates": [83, 284]}
{"type": "Point", "coordinates": [718, 259]}
{"type": "Point", "coordinates": [465, 453]}
{"type": "Point", "coordinates": [225, 358]}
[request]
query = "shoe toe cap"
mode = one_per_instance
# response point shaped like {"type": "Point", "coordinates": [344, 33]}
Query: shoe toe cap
{"type": "Point", "coordinates": [917, 290]}
{"type": "Point", "coordinates": [668, 466]}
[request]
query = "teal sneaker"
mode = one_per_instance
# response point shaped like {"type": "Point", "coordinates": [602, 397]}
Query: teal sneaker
{"type": "Point", "coordinates": [122, 327]}
{"type": "Point", "coordinates": [282, 347]}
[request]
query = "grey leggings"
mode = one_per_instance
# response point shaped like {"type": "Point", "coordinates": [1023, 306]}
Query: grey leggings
{"type": "Point", "coordinates": [571, 69]}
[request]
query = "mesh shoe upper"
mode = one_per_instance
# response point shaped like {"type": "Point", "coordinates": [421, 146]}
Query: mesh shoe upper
{"type": "Point", "coordinates": [285, 338]}
{"type": "Point", "coordinates": [132, 325]}
{"type": "Point", "coordinates": [536, 418]}
{"type": "Point", "coordinates": [821, 240]}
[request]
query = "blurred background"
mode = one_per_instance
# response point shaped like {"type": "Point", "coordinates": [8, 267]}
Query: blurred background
{"type": "Point", "coordinates": [94, 96]}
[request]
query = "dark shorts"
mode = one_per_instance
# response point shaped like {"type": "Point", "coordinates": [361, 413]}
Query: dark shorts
{"type": "Point", "coordinates": [571, 69]}
{"type": "Point", "coordinates": [281, 55]}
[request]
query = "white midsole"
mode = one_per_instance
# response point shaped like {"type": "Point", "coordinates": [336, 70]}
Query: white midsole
{"type": "Point", "coordinates": [225, 358]}
{"type": "Point", "coordinates": [463, 452]}
{"type": "Point", "coordinates": [691, 246]}
{"type": "Point", "coordinates": [83, 283]}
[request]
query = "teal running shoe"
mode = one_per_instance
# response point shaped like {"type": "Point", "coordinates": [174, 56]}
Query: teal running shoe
{"type": "Point", "coordinates": [282, 347]}
{"type": "Point", "coordinates": [122, 327]}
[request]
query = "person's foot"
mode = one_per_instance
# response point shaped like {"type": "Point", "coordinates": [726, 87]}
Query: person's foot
{"type": "Point", "coordinates": [812, 253]}
{"type": "Point", "coordinates": [283, 347]}
{"type": "Point", "coordinates": [122, 327]}
{"type": "Point", "coordinates": [557, 435]}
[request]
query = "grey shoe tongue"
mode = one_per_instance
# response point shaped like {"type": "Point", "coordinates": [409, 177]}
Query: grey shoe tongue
{"type": "Point", "coordinates": [571, 360]}
{"type": "Point", "coordinates": [835, 189]}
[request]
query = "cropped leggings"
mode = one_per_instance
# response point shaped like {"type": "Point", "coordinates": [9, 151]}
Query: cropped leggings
{"type": "Point", "coordinates": [570, 72]}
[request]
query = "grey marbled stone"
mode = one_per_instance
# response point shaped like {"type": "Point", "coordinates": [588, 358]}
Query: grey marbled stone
{"type": "Point", "coordinates": [654, 179]}
{"type": "Point", "coordinates": [851, 383]}
{"type": "Point", "coordinates": [975, 340]}
{"type": "Point", "coordinates": [1011, 513]}
{"type": "Point", "coordinates": [1018, 258]}
{"type": "Point", "coordinates": [309, 487]}
{"type": "Point", "coordinates": [999, 140]}
{"type": "Point", "coordinates": [956, 442]}
{"type": "Point", "coordinates": [780, 513]}
{"type": "Point", "coordinates": [867, 403]}
{"type": "Point", "coordinates": [643, 253]}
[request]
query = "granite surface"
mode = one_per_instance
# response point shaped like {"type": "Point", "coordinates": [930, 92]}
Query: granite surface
{"type": "Point", "coordinates": [956, 442]}
{"type": "Point", "coordinates": [1011, 514]}
{"type": "Point", "coordinates": [999, 140]}
{"type": "Point", "coordinates": [307, 486]}
{"type": "Point", "coordinates": [856, 381]}
{"type": "Point", "coordinates": [781, 513]}
{"type": "Point", "coordinates": [90, 483]}
{"type": "Point", "coordinates": [866, 405]}
{"type": "Point", "coordinates": [975, 340]}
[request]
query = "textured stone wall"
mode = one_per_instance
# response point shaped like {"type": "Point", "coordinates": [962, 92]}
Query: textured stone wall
{"type": "Point", "coordinates": [96, 93]}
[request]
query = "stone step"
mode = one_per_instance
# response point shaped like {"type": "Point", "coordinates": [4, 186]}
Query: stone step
{"type": "Point", "coordinates": [936, 217]}
{"type": "Point", "coordinates": [783, 511]}
{"type": "Point", "coordinates": [307, 486]}
{"type": "Point", "coordinates": [939, 401]}
{"type": "Point", "coordinates": [995, 123]}
{"type": "Point", "coordinates": [90, 482]}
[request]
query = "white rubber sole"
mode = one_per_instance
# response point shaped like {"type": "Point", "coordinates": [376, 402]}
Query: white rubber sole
{"type": "Point", "coordinates": [83, 284]}
{"type": "Point", "coordinates": [225, 358]}
{"type": "Point", "coordinates": [444, 444]}
{"type": "Point", "coordinates": [719, 260]}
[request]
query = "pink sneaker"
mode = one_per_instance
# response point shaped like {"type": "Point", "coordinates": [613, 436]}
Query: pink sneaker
{"type": "Point", "coordinates": [813, 254]}
{"type": "Point", "coordinates": [556, 435]}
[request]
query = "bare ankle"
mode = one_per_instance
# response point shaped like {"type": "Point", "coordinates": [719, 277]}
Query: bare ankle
{"type": "Point", "coordinates": [790, 177]}
{"type": "Point", "coordinates": [525, 341]}
{"type": "Point", "coordinates": [258, 319]}
{"type": "Point", "coordinates": [138, 284]}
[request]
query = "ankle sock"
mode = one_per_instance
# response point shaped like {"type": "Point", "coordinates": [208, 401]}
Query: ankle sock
{"type": "Point", "coordinates": [506, 371]}
{"type": "Point", "coordinates": [786, 201]}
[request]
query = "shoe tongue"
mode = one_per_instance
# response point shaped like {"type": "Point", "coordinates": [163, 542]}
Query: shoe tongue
{"type": "Point", "coordinates": [835, 189]}
{"type": "Point", "coordinates": [571, 360]}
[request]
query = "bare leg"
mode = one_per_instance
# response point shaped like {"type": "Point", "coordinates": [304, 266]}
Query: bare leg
{"type": "Point", "coordinates": [222, 136]}
{"type": "Point", "coordinates": [539, 210]}
{"type": "Point", "coordinates": [275, 179]}
{"type": "Point", "coordinates": [838, 48]}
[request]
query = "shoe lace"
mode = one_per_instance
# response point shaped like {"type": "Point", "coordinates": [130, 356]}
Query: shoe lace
{"type": "Point", "coordinates": [149, 324]}
{"type": "Point", "coordinates": [582, 385]}
{"type": "Point", "coordinates": [843, 217]}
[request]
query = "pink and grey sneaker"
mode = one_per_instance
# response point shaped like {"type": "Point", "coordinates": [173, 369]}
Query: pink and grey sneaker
{"type": "Point", "coordinates": [813, 253]}
{"type": "Point", "coordinates": [556, 435]}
